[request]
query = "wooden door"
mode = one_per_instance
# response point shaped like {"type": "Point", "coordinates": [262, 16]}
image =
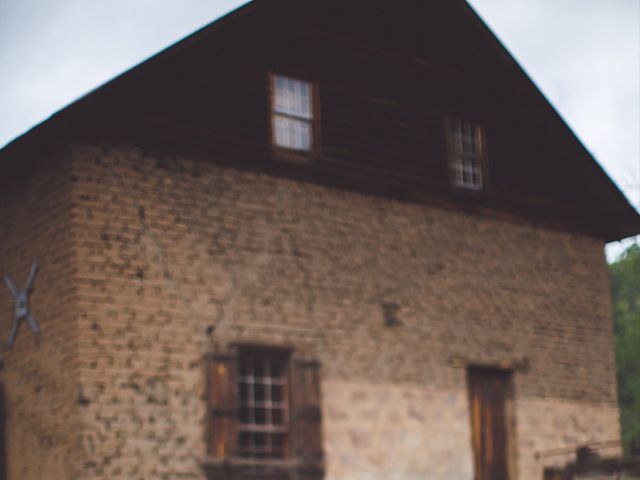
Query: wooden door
{"type": "Point", "coordinates": [489, 391]}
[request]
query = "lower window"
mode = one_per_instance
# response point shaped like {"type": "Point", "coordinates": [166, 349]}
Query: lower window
{"type": "Point", "coordinates": [263, 383]}
{"type": "Point", "coordinates": [265, 419]}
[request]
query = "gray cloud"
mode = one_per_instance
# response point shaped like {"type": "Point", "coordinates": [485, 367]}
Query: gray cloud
{"type": "Point", "coordinates": [52, 52]}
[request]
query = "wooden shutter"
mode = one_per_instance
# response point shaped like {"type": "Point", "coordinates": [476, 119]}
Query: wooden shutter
{"type": "Point", "coordinates": [223, 405]}
{"type": "Point", "coordinates": [307, 413]}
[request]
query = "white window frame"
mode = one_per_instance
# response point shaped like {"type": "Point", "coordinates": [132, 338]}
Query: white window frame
{"type": "Point", "coordinates": [466, 154]}
{"type": "Point", "coordinates": [297, 110]}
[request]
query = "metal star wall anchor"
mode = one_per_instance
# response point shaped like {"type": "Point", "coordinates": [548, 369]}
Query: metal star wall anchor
{"type": "Point", "coordinates": [23, 311]}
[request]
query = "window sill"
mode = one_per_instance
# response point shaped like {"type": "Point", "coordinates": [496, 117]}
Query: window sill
{"type": "Point", "coordinates": [467, 190]}
{"type": "Point", "coordinates": [294, 156]}
{"type": "Point", "coordinates": [241, 468]}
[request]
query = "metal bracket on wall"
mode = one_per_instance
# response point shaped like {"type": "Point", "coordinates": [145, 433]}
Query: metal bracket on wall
{"type": "Point", "coordinates": [23, 311]}
{"type": "Point", "coordinates": [390, 314]}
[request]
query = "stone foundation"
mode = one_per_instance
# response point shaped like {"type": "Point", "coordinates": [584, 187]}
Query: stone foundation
{"type": "Point", "coordinates": [392, 432]}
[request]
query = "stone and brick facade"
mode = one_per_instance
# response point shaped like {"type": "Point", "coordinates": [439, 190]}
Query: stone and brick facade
{"type": "Point", "coordinates": [149, 264]}
{"type": "Point", "coordinates": [40, 376]}
{"type": "Point", "coordinates": [160, 246]}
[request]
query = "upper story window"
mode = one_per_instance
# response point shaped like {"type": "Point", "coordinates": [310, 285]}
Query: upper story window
{"type": "Point", "coordinates": [292, 115]}
{"type": "Point", "coordinates": [466, 145]}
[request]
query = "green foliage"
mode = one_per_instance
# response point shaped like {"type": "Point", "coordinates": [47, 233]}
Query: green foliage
{"type": "Point", "coordinates": [625, 284]}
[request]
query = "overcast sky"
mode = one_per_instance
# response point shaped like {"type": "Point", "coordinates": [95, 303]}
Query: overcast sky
{"type": "Point", "coordinates": [583, 54]}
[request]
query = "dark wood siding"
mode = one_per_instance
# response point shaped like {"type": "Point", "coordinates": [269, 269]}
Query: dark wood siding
{"type": "Point", "coordinates": [386, 83]}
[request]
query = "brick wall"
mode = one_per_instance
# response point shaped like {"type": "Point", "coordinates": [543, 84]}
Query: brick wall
{"type": "Point", "coordinates": [39, 376]}
{"type": "Point", "coordinates": [176, 258]}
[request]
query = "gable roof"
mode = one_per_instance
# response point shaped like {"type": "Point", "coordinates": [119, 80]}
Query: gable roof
{"type": "Point", "coordinates": [624, 219]}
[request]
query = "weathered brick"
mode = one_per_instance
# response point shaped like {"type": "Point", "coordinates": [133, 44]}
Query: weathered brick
{"type": "Point", "coordinates": [164, 260]}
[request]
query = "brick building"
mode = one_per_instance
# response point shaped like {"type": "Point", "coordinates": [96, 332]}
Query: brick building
{"type": "Point", "coordinates": [316, 239]}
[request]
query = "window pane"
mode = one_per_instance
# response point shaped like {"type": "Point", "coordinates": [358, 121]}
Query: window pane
{"type": "Point", "coordinates": [278, 417]}
{"type": "Point", "coordinates": [260, 392]}
{"type": "Point", "coordinates": [293, 97]}
{"type": "Point", "coordinates": [291, 133]}
{"type": "Point", "coordinates": [258, 368]}
{"type": "Point", "coordinates": [264, 410]}
{"type": "Point", "coordinates": [477, 179]}
{"type": "Point", "coordinates": [466, 155]}
{"type": "Point", "coordinates": [245, 415]}
{"type": "Point", "coordinates": [244, 392]}
{"type": "Point", "coordinates": [277, 392]}
{"type": "Point", "coordinates": [261, 416]}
